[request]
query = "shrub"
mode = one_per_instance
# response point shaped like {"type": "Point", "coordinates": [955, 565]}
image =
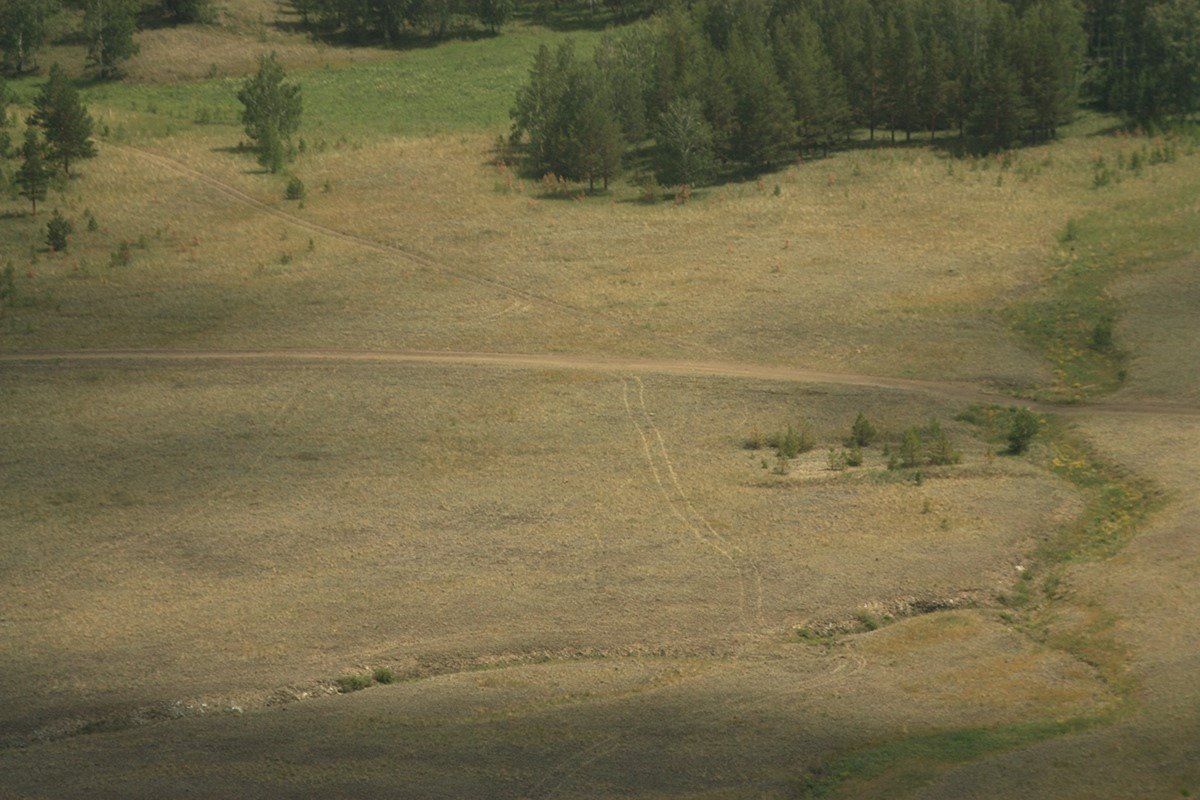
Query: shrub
{"type": "Point", "coordinates": [1023, 426]}
{"type": "Point", "coordinates": [1070, 233]}
{"type": "Point", "coordinates": [8, 284]}
{"type": "Point", "coordinates": [295, 189]}
{"type": "Point", "coordinates": [912, 452]}
{"type": "Point", "coordinates": [862, 432]}
{"type": "Point", "coordinates": [940, 450]}
{"type": "Point", "coordinates": [793, 442]}
{"type": "Point", "coordinates": [649, 192]}
{"type": "Point", "coordinates": [854, 458]}
{"type": "Point", "coordinates": [837, 460]}
{"type": "Point", "coordinates": [384, 675]}
{"type": "Point", "coordinates": [57, 231]}
{"type": "Point", "coordinates": [121, 256]}
{"type": "Point", "coordinates": [352, 683]}
{"type": "Point", "coordinates": [1102, 335]}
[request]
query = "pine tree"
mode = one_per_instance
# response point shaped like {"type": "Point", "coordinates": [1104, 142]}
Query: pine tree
{"type": "Point", "coordinates": [64, 120]}
{"type": "Point", "coordinates": [1052, 48]}
{"type": "Point", "coordinates": [764, 124]}
{"type": "Point", "coordinates": [904, 61]}
{"type": "Point", "coordinates": [684, 144]}
{"type": "Point", "coordinates": [271, 111]}
{"type": "Point", "coordinates": [108, 26]}
{"type": "Point", "coordinates": [597, 135]}
{"type": "Point", "coordinates": [57, 231]}
{"type": "Point", "coordinates": [1000, 111]}
{"type": "Point", "coordinates": [5, 138]}
{"type": "Point", "coordinates": [816, 89]}
{"type": "Point", "coordinates": [33, 177]}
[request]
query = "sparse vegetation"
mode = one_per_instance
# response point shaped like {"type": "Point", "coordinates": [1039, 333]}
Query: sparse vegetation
{"type": "Point", "coordinates": [353, 683]}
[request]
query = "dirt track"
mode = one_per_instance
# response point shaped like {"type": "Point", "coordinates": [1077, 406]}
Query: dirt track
{"type": "Point", "coordinates": [723, 369]}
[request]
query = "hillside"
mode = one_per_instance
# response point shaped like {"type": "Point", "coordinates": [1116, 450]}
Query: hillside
{"type": "Point", "coordinates": [504, 457]}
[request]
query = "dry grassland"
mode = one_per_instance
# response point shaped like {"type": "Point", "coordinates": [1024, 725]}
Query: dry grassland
{"type": "Point", "coordinates": [221, 530]}
{"type": "Point", "coordinates": [587, 585]}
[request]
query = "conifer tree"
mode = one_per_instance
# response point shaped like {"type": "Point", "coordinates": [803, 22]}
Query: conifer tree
{"type": "Point", "coordinates": [1052, 48]}
{"type": "Point", "coordinates": [763, 122]}
{"type": "Point", "coordinates": [684, 152]}
{"type": "Point", "coordinates": [5, 138]}
{"type": "Point", "coordinates": [816, 89]}
{"type": "Point", "coordinates": [271, 111]}
{"type": "Point", "coordinates": [64, 120]}
{"type": "Point", "coordinates": [33, 177]}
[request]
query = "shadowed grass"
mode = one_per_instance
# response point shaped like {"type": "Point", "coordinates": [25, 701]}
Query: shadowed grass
{"type": "Point", "coordinates": [914, 761]}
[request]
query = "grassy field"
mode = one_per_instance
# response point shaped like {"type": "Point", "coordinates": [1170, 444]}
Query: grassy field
{"type": "Point", "coordinates": [575, 577]}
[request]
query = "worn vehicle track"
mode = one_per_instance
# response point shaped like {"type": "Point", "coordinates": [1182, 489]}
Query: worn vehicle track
{"type": "Point", "coordinates": [719, 369]}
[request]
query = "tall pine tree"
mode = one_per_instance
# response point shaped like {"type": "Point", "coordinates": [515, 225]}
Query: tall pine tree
{"type": "Point", "coordinates": [33, 177]}
{"type": "Point", "coordinates": [64, 120]}
{"type": "Point", "coordinates": [270, 111]}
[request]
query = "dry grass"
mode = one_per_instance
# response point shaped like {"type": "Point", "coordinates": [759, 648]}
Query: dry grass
{"type": "Point", "coordinates": [288, 525]}
{"type": "Point", "coordinates": [597, 586]}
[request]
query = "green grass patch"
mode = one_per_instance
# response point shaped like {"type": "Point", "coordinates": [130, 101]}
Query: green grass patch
{"type": "Point", "coordinates": [1072, 318]}
{"type": "Point", "coordinates": [1116, 504]}
{"type": "Point", "coordinates": [459, 86]}
{"type": "Point", "coordinates": [915, 760]}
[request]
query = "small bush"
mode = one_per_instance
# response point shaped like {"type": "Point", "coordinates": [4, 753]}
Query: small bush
{"type": "Point", "coordinates": [1070, 233]}
{"type": "Point", "coordinates": [941, 452]}
{"type": "Point", "coordinates": [384, 675]}
{"type": "Point", "coordinates": [353, 683]}
{"type": "Point", "coordinates": [92, 224]}
{"type": "Point", "coordinates": [1024, 425]}
{"type": "Point", "coordinates": [57, 231]}
{"type": "Point", "coordinates": [121, 256]}
{"type": "Point", "coordinates": [854, 458]}
{"type": "Point", "coordinates": [755, 441]}
{"type": "Point", "coordinates": [649, 191]}
{"type": "Point", "coordinates": [837, 460]}
{"type": "Point", "coordinates": [1102, 335]}
{"type": "Point", "coordinates": [912, 451]}
{"type": "Point", "coordinates": [862, 432]}
{"type": "Point", "coordinates": [792, 442]}
{"type": "Point", "coordinates": [295, 189]}
{"type": "Point", "coordinates": [868, 620]}
{"type": "Point", "coordinates": [8, 284]}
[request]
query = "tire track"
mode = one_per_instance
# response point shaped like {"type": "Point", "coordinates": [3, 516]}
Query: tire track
{"type": "Point", "coordinates": [749, 577]}
{"type": "Point", "coordinates": [950, 390]}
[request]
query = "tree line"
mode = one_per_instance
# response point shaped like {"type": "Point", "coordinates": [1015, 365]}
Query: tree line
{"type": "Point", "coordinates": [746, 84]}
{"type": "Point", "coordinates": [108, 28]}
{"type": "Point", "coordinates": [391, 20]}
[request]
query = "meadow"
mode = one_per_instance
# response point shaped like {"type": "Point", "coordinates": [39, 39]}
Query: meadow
{"type": "Point", "coordinates": [485, 453]}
